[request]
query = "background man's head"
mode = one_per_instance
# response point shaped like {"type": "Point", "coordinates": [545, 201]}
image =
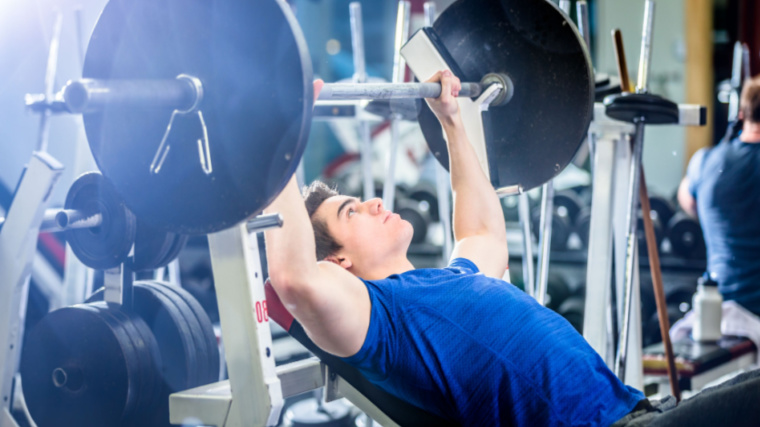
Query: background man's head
{"type": "Point", "coordinates": [749, 105]}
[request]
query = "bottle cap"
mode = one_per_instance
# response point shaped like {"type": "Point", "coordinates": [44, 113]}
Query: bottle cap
{"type": "Point", "coordinates": [706, 280]}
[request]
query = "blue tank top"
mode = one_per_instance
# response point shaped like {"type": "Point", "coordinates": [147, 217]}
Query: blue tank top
{"type": "Point", "coordinates": [725, 181]}
{"type": "Point", "coordinates": [481, 352]}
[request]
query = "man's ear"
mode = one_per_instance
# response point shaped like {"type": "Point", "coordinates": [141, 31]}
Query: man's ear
{"type": "Point", "coordinates": [340, 260]}
{"type": "Point", "coordinates": [740, 116]}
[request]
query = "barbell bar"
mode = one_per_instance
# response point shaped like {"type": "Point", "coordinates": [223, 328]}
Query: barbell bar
{"type": "Point", "coordinates": [59, 220]}
{"type": "Point", "coordinates": [185, 93]}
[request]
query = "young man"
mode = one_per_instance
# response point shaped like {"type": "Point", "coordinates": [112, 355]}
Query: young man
{"type": "Point", "coordinates": [458, 342]}
{"type": "Point", "coordinates": [722, 185]}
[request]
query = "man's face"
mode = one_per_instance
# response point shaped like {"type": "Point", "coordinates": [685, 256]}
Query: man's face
{"type": "Point", "coordinates": [369, 234]}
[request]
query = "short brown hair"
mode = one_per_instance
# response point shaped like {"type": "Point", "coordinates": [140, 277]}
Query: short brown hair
{"type": "Point", "coordinates": [750, 100]}
{"type": "Point", "coordinates": [313, 196]}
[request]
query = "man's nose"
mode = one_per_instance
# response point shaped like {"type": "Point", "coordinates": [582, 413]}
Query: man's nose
{"type": "Point", "coordinates": [375, 205]}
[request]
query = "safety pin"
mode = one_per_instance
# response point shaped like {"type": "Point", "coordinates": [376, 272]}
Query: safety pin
{"type": "Point", "coordinates": [204, 150]}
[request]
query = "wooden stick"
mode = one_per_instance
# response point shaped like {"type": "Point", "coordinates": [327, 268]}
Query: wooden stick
{"type": "Point", "coordinates": [652, 249]}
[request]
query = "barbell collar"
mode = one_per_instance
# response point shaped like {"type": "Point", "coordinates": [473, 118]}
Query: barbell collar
{"type": "Point", "coordinates": [183, 94]}
{"type": "Point", "coordinates": [348, 91]}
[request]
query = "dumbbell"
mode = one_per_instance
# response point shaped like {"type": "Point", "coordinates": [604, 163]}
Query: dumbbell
{"type": "Point", "coordinates": [425, 194]}
{"type": "Point", "coordinates": [567, 206]}
{"type": "Point", "coordinates": [686, 237]}
{"type": "Point", "coordinates": [659, 231]}
{"type": "Point", "coordinates": [415, 212]}
{"type": "Point", "coordinates": [573, 308]}
{"type": "Point", "coordinates": [662, 208]}
{"type": "Point", "coordinates": [583, 225]}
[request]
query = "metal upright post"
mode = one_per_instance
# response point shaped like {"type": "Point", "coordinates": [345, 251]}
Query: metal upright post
{"type": "Point", "coordinates": [360, 76]}
{"type": "Point", "coordinates": [545, 237]}
{"type": "Point", "coordinates": [245, 326]}
{"type": "Point", "coordinates": [523, 211]}
{"type": "Point", "coordinates": [633, 191]}
{"type": "Point", "coordinates": [399, 71]}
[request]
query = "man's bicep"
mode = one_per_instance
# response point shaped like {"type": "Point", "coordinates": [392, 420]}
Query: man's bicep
{"type": "Point", "coordinates": [336, 310]}
{"type": "Point", "coordinates": [487, 253]}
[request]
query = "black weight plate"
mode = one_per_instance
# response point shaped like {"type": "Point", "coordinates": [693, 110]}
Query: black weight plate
{"type": "Point", "coordinates": [649, 108]}
{"type": "Point", "coordinates": [209, 337]}
{"type": "Point", "coordinates": [256, 73]}
{"type": "Point", "coordinates": [664, 208]}
{"type": "Point", "coordinates": [109, 244]}
{"type": "Point", "coordinates": [532, 138]}
{"type": "Point", "coordinates": [99, 361]}
{"type": "Point", "coordinates": [196, 333]}
{"type": "Point", "coordinates": [686, 237]}
{"type": "Point", "coordinates": [583, 225]}
{"type": "Point", "coordinates": [567, 204]}
{"type": "Point", "coordinates": [179, 242]}
{"type": "Point", "coordinates": [149, 387]}
{"type": "Point", "coordinates": [606, 85]}
{"type": "Point", "coordinates": [151, 246]}
{"type": "Point", "coordinates": [172, 333]}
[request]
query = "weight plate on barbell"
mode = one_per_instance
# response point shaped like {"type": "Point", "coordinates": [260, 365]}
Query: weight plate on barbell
{"type": "Point", "coordinates": [107, 245]}
{"type": "Point", "coordinates": [155, 248]}
{"type": "Point", "coordinates": [83, 368]}
{"type": "Point", "coordinates": [255, 115]}
{"type": "Point", "coordinates": [534, 137]}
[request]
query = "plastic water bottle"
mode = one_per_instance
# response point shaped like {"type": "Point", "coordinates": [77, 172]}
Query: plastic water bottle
{"type": "Point", "coordinates": [708, 310]}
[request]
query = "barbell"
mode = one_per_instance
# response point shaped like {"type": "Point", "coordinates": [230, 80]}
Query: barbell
{"type": "Point", "coordinates": [198, 112]}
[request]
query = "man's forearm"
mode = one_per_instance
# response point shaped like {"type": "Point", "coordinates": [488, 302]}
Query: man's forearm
{"type": "Point", "coordinates": [291, 253]}
{"type": "Point", "coordinates": [477, 210]}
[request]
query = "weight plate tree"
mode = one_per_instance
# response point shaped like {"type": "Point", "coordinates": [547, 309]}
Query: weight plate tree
{"type": "Point", "coordinates": [256, 109]}
{"type": "Point", "coordinates": [533, 137]}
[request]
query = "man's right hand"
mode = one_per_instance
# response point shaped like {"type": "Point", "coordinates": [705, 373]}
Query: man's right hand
{"type": "Point", "coordinates": [446, 107]}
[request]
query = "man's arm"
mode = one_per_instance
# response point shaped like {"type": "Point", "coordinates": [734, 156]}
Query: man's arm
{"type": "Point", "coordinates": [332, 304]}
{"type": "Point", "coordinates": [478, 222]}
{"type": "Point", "coordinates": [685, 199]}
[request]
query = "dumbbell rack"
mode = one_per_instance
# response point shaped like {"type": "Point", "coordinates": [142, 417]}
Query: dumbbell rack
{"type": "Point", "coordinates": [611, 160]}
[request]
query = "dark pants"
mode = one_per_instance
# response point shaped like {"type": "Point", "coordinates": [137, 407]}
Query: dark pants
{"type": "Point", "coordinates": [735, 402]}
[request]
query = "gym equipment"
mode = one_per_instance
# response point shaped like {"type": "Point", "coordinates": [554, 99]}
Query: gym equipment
{"type": "Point", "coordinates": [572, 310]}
{"type": "Point", "coordinates": [616, 170]}
{"type": "Point", "coordinates": [313, 413]}
{"type": "Point", "coordinates": [583, 226]}
{"type": "Point", "coordinates": [184, 76]}
{"type": "Point", "coordinates": [183, 331]}
{"type": "Point", "coordinates": [554, 80]}
{"type": "Point", "coordinates": [155, 248]}
{"type": "Point", "coordinates": [411, 210]}
{"type": "Point", "coordinates": [108, 243]}
{"type": "Point", "coordinates": [557, 291]}
{"type": "Point", "coordinates": [425, 193]}
{"type": "Point", "coordinates": [664, 209]}
{"type": "Point", "coordinates": [90, 365]}
{"type": "Point", "coordinates": [605, 85]}
{"type": "Point", "coordinates": [568, 204]}
{"type": "Point", "coordinates": [686, 237]}
{"type": "Point", "coordinates": [561, 229]}
{"type": "Point", "coordinates": [659, 232]}
{"type": "Point", "coordinates": [641, 107]}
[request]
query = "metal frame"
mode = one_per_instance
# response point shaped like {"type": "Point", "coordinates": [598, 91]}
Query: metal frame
{"type": "Point", "coordinates": [18, 244]}
{"type": "Point", "coordinates": [612, 157]}
{"type": "Point", "coordinates": [260, 387]}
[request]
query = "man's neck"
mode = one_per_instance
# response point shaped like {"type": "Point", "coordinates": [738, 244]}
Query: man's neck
{"type": "Point", "coordinates": [750, 132]}
{"type": "Point", "coordinates": [396, 266]}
